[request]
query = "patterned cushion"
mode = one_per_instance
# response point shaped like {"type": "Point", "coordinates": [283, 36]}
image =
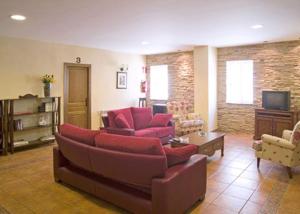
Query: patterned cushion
{"type": "Point", "coordinates": [296, 134]}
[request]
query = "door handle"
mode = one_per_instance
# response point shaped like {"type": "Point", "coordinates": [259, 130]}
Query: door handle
{"type": "Point", "coordinates": [86, 102]}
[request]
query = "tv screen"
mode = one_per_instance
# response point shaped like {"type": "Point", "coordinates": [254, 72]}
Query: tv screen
{"type": "Point", "coordinates": [277, 100]}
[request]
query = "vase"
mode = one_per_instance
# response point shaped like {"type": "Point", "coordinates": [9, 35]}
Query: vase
{"type": "Point", "coordinates": [47, 89]}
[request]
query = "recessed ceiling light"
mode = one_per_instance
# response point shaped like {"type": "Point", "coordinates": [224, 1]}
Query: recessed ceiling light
{"type": "Point", "coordinates": [256, 26]}
{"type": "Point", "coordinates": [145, 43]}
{"type": "Point", "coordinates": [18, 17]}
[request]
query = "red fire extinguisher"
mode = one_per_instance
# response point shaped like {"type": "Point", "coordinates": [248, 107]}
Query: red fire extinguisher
{"type": "Point", "coordinates": [143, 86]}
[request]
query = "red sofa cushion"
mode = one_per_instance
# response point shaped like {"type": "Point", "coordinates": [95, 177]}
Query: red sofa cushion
{"type": "Point", "coordinates": [160, 120]}
{"type": "Point", "coordinates": [145, 133]}
{"type": "Point", "coordinates": [127, 114]}
{"type": "Point", "coordinates": [179, 154]}
{"type": "Point", "coordinates": [121, 121]}
{"type": "Point", "coordinates": [150, 146]}
{"type": "Point", "coordinates": [162, 131]}
{"type": "Point", "coordinates": [141, 117]}
{"type": "Point", "coordinates": [78, 134]}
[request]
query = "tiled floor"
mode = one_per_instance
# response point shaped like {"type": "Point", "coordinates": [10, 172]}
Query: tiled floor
{"type": "Point", "coordinates": [234, 185]}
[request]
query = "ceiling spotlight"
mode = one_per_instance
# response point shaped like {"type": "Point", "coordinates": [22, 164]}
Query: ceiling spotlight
{"type": "Point", "coordinates": [256, 26]}
{"type": "Point", "coordinates": [18, 17]}
{"type": "Point", "coordinates": [145, 43]}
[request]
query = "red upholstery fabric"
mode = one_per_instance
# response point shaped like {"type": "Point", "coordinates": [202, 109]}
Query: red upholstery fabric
{"type": "Point", "coordinates": [75, 152]}
{"type": "Point", "coordinates": [140, 145]}
{"type": "Point", "coordinates": [160, 120]}
{"type": "Point", "coordinates": [127, 132]}
{"type": "Point", "coordinates": [141, 117]}
{"type": "Point", "coordinates": [127, 114]}
{"type": "Point", "coordinates": [80, 135]}
{"type": "Point", "coordinates": [180, 154]}
{"type": "Point", "coordinates": [121, 121]}
{"type": "Point", "coordinates": [119, 177]}
{"type": "Point", "coordinates": [162, 131]}
{"type": "Point", "coordinates": [145, 133]}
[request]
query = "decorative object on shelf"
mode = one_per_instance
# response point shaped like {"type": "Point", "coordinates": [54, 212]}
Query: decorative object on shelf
{"type": "Point", "coordinates": [121, 80]}
{"type": "Point", "coordinates": [78, 60]}
{"type": "Point", "coordinates": [42, 121]}
{"type": "Point", "coordinates": [47, 80]}
{"type": "Point", "coordinates": [18, 125]}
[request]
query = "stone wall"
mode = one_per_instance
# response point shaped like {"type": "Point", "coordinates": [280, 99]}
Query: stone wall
{"type": "Point", "coordinates": [276, 67]}
{"type": "Point", "coordinates": [181, 75]}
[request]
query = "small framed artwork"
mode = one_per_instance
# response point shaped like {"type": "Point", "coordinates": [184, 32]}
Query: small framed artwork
{"type": "Point", "coordinates": [121, 80]}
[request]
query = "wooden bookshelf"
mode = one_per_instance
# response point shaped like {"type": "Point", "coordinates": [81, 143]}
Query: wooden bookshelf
{"type": "Point", "coordinates": [27, 111]}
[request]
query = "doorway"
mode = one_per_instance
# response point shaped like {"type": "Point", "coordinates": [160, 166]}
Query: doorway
{"type": "Point", "coordinates": [77, 94]}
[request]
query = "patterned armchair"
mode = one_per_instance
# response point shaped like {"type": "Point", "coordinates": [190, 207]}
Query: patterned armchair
{"type": "Point", "coordinates": [285, 150]}
{"type": "Point", "coordinates": [185, 121]}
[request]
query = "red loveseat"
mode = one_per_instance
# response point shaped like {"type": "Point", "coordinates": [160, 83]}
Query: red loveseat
{"type": "Point", "coordinates": [139, 122]}
{"type": "Point", "coordinates": [130, 172]}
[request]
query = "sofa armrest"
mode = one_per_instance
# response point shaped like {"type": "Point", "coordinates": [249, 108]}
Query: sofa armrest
{"type": "Point", "coordinates": [182, 186]}
{"type": "Point", "coordinates": [277, 141]}
{"type": "Point", "coordinates": [118, 131]}
{"type": "Point", "coordinates": [287, 134]}
{"type": "Point", "coordinates": [58, 161]}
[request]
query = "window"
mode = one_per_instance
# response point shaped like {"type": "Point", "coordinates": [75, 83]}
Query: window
{"type": "Point", "coordinates": [159, 82]}
{"type": "Point", "coordinates": [239, 82]}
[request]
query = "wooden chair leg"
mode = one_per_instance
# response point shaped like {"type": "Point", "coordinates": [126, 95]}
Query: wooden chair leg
{"type": "Point", "coordinates": [289, 171]}
{"type": "Point", "coordinates": [258, 162]}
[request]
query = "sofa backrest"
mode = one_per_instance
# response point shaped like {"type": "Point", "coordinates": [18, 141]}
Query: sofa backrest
{"type": "Point", "coordinates": [76, 133]}
{"type": "Point", "coordinates": [133, 160]}
{"type": "Point", "coordinates": [141, 117]}
{"type": "Point", "coordinates": [127, 114]}
{"type": "Point", "coordinates": [76, 152]}
{"type": "Point", "coordinates": [136, 165]}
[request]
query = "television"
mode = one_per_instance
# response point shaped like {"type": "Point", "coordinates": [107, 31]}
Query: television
{"type": "Point", "coordinates": [277, 100]}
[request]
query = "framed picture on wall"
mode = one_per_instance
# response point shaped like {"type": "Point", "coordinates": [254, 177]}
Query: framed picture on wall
{"type": "Point", "coordinates": [121, 80]}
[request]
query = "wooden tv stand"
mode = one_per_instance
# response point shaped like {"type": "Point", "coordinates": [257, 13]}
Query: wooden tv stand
{"type": "Point", "coordinates": [273, 122]}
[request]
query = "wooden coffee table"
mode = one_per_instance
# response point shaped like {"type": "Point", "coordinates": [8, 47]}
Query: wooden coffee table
{"type": "Point", "coordinates": [207, 144]}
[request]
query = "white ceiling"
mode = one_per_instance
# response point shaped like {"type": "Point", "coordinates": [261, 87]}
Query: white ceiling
{"type": "Point", "coordinates": [168, 25]}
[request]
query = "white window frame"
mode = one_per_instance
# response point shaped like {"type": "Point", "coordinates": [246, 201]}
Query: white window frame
{"type": "Point", "coordinates": [159, 87]}
{"type": "Point", "coordinates": [239, 82]}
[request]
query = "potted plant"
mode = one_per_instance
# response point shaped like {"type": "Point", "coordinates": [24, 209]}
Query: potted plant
{"type": "Point", "coordinates": [47, 80]}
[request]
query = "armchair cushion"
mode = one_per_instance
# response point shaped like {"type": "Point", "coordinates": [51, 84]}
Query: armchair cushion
{"type": "Point", "coordinates": [141, 117]}
{"type": "Point", "coordinates": [277, 141]}
{"type": "Point", "coordinates": [180, 154]}
{"type": "Point", "coordinates": [121, 121]}
{"type": "Point", "coordinates": [145, 133]}
{"type": "Point", "coordinates": [127, 132]}
{"type": "Point", "coordinates": [296, 134]}
{"type": "Point", "coordinates": [287, 134]}
{"type": "Point", "coordinates": [160, 120]}
{"type": "Point", "coordinates": [127, 114]}
{"type": "Point", "coordinates": [78, 134]}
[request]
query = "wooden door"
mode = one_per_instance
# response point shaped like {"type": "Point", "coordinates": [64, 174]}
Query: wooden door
{"type": "Point", "coordinates": [280, 124]}
{"type": "Point", "coordinates": [77, 95]}
{"type": "Point", "coordinates": [263, 126]}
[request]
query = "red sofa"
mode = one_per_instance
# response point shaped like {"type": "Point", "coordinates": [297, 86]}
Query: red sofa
{"type": "Point", "coordinates": [140, 124]}
{"type": "Point", "coordinates": [130, 172]}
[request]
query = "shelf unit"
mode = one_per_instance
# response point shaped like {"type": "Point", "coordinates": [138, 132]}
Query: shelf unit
{"type": "Point", "coordinates": [26, 109]}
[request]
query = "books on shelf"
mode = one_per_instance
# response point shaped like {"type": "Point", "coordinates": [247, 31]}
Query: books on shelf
{"type": "Point", "coordinates": [20, 143]}
{"type": "Point", "coordinates": [47, 138]}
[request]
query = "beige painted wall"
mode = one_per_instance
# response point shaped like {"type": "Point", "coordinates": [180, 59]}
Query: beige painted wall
{"type": "Point", "coordinates": [23, 62]}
